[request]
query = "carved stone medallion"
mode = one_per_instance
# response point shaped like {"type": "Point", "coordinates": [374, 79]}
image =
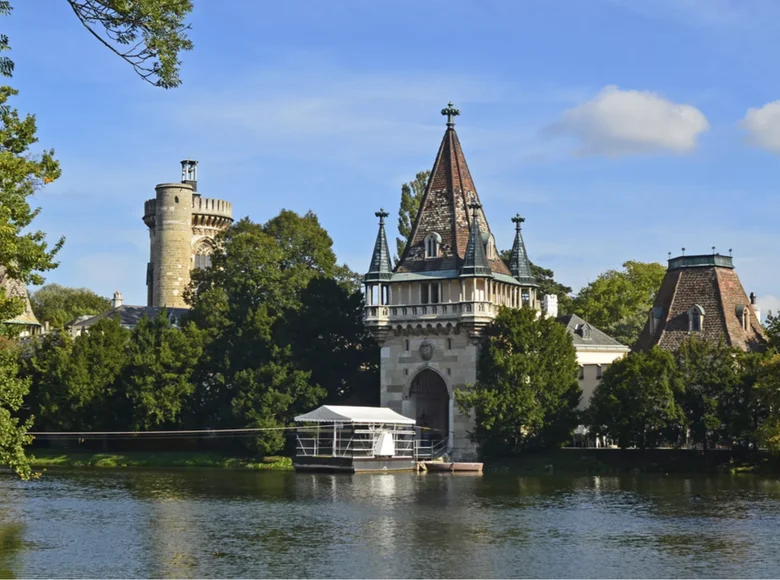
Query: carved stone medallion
{"type": "Point", "coordinates": [426, 350]}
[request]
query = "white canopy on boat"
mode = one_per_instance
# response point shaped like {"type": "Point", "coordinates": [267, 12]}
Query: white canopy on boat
{"type": "Point", "coordinates": [345, 414]}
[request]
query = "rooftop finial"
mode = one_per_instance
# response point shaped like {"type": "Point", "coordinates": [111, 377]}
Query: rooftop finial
{"type": "Point", "coordinates": [518, 220]}
{"type": "Point", "coordinates": [683, 250]}
{"type": "Point", "coordinates": [474, 206]}
{"type": "Point", "coordinates": [451, 113]}
{"type": "Point", "coordinates": [381, 214]}
{"type": "Point", "coordinates": [729, 251]}
{"type": "Point", "coordinates": [713, 250]}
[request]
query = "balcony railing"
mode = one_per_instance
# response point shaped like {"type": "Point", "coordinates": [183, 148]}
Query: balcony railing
{"type": "Point", "coordinates": [452, 310]}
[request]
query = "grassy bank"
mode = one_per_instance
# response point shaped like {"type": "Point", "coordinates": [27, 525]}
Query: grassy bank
{"type": "Point", "coordinates": [46, 458]}
{"type": "Point", "coordinates": [615, 461]}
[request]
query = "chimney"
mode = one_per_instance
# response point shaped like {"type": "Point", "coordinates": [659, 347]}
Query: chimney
{"type": "Point", "coordinates": [756, 308]}
{"type": "Point", "coordinates": [189, 173]}
{"type": "Point", "coordinates": [550, 305]}
{"type": "Point", "coordinates": [116, 302]}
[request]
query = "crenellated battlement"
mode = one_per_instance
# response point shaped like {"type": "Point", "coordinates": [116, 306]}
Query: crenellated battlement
{"type": "Point", "coordinates": [212, 207]}
{"type": "Point", "coordinates": [207, 212]}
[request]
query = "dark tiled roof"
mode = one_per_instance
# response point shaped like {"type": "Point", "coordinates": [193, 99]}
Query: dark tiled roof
{"type": "Point", "coordinates": [519, 264]}
{"type": "Point", "coordinates": [475, 261]}
{"type": "Point", "coordinates": [129, 316]}
{"type": "Point", "coordinates": [444, 210]}
{"type": "Point", "coordinates": [719, 293]}
{"type": "Point", "coordinates": [380, 268]}
{"type": "Point", "coordinates": [585, 334]}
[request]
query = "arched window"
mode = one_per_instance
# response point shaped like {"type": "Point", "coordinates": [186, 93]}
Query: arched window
{"type": "Point", "coordinates": [202, 254]}
{"type": "Point", "coordinates": [695, 318]}
{"type": "Point", "coordinates": [743, 313]}
{"type": "Point", "coordinates": [432, 243]}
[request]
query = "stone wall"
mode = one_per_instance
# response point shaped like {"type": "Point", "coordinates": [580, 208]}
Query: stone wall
{"type": "Point", "coordinates": [453, 358]}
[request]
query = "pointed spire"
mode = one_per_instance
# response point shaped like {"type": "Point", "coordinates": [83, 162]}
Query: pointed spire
{"type": "Point", "coordinates": [444, 210]}
{"type": "Point", "coordinates": [519, 264]}
{"type": "Point", "coordinates": [380, 268]}
{"type": "Point", "coordinates": [475, 261]}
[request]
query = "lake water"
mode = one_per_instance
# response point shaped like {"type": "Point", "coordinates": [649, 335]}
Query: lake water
{"type": "Point", "coordinates": [207, 523]}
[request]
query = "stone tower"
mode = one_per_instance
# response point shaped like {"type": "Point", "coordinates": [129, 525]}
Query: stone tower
{"type": "Point", "coordinates": [429, 311]}
{"type": "Point", "coordinates": [182, 226]}
{"type": "Point", "coordinates": [702, 296]}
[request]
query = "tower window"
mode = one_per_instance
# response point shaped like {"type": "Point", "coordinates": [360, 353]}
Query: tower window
{"type": "Point", "coordinates": [695, 318]}
{"type": "Point", "coordinates": [429, 293]}
{"type": "Point", "coordinates": [202, 261]}
{"type": "Point", "coordinates": [432, 244]}
{"type": "Point", "coordinates": [406, 345]}
{"type": "Point", "coordinates": [526, 296]}
{"type": "Point", "coordinates": [449, 344]}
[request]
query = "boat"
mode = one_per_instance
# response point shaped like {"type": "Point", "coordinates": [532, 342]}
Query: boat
{"type": "Point", "coordinates": [339, 438]}
{"type": "Point", "coordinates": [452, 467]}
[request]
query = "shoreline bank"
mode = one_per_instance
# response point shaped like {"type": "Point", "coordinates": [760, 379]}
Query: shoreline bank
{"type": "Point", "coordinates": [54, 458]}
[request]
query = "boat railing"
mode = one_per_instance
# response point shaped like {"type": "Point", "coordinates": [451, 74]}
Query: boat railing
{"type": "Point", "coordinates": [357, 446]}
{"type": "Point", "coordinates": [429, 449]}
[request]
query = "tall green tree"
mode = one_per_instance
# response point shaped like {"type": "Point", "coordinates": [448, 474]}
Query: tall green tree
{"type": "Point", "coordinates": [635, 403]}
{"type": "Point", "coordinates": [157, 379]}
{"type": "Point", "coordinates": [248, 375]}
{"type": "Point", "coordinates": [712, 373]}
{"type": "Point", "coordinates": [526, 392]}
{"type": "Point", "coordinates": [59, 305]}
{"type": "Point", "coordinates": [618, 301]}
{"type": "Point", "coordinates": [772, 327]}
{"type": "Point", "coordinates": [331, 342]}
{"type": "Point", "coordinates": [411, 196]}
{"type": "Point", "coordinates": [24, 253]}
{"type": "Point", "coordinates": [77, 381]}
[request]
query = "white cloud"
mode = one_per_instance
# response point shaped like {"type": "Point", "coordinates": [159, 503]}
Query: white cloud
{"type": "Point", "coordinates": [768, 303]}
{"type": "Point", "coordinates": [763, 126]}
{"type": "Point", "coordinates": [617, 122]}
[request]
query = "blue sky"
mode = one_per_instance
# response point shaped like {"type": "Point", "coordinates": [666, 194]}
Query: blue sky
{"type": "Point", "coordinates": [621, 129]}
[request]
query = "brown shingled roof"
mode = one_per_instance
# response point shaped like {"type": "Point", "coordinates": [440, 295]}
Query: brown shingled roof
{"type": "Point", "coordinates": [716, 288]}
{"type": "Point", "coordinates": [444, 210]}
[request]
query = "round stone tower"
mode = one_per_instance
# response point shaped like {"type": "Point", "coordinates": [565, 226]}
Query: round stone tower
{"type": "Point", "coordinates": [182, 226]}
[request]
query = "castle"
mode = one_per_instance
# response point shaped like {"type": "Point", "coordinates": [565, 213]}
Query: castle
{"type": "Point", "coordinates": [429, 311]}
{"type": "Point", "coordinates": [182, 227]}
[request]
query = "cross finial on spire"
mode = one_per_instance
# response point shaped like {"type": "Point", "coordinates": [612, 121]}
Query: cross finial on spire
{"type": "Point", "coordinates": [381, 214]}
{"type": "Point", "coordinates": [451, 112]}
{"type": "Point", "coordinates": [518, 220]}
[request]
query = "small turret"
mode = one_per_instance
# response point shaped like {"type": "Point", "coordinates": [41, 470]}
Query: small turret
{"type": "Point", "coordinates": [475, 261]}
{"type": "Point", "coordinates": [380, 268]}
{"type": "Point", "coordinates": [519, 264]}
{"type": "Point", "coordinates": [189, 174]}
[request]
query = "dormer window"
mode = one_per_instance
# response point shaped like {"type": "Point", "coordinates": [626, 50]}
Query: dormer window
{"type": "Point", "coordinates": [695, 318]}
{"type": "Point", "coordinates": [743, 313]}
{"type": "Point", "coordinates": [432, 243]}
{"type": "Point", "coordinates": [656, 315]}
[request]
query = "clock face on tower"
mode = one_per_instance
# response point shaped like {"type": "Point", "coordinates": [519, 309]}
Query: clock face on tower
{"type": "Point", "coordinates": [426, 350]}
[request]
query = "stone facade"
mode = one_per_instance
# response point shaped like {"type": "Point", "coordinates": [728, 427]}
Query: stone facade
{"type": "Point", "coordinates": [182, 226]}
{"type": "Point", "coordinates": [702, 296]}
{"type": "Point", "coordinates": [429, 311]}
{"type": "Point", "coordinates": [25, 324]}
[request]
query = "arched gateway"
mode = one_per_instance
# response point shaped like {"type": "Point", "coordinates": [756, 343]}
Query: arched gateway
{"type": "Point", "coordinates": [429, 404]}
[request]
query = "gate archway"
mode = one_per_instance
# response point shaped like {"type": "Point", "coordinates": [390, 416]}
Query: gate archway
{"type": "Point", "coordinates": [429, 403]}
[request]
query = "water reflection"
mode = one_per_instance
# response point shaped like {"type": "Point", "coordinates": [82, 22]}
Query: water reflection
{"type": "Point", "coordinates": [205, 523]}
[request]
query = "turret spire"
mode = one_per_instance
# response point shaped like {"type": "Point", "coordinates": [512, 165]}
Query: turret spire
{"type": "Point", "coordinates": [475, 261]}
{"type": "Point", "coordinates": [519, 264]}
{"type": "Point", "coordinates": [380, 268]}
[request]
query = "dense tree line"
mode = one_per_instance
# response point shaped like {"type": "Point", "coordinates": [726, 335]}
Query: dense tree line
{"type": "Point", "coordinates": [275, 328]}
{"type": "Point", "coordinates": [706, 394]}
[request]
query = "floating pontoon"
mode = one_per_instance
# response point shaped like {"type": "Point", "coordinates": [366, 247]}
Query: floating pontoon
{"type": "Point", "coordinates": [353, 439]}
